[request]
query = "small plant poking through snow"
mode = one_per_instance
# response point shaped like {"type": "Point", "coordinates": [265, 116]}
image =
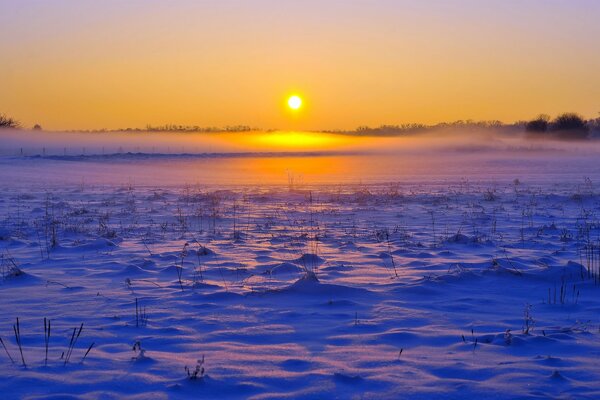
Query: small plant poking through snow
{"type": "Point", "coordinates": [47, 331]}
{"type": "Point", "coordinates": [17, 330]}
{"type": "Point", "coordinates": [474, 339]}
{"type": "Point", "coordinates": [383, 236]}
{"type": "Point", "coordinates": [528, 321]}
{"type": "Point", "coordinates": [8, 267]}
{"type": "Point", "coordinates": [198, 372]}
{"type": "Point", "coordinates": [490, 195]}
{"type": "Point", "coordinates": [508, 337]}
{"type": "Point", "coordinates": [72, 342]}
{"type": "Point", "coordinates": [182, 255]}
{"type": "Point", "coordinates": [139, 353]}
{"type": "Point", "coordinates": [141, 318]}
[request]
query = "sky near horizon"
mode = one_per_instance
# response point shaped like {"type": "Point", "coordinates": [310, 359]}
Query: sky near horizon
{"type": "Point", "coordinates": [82, 64]}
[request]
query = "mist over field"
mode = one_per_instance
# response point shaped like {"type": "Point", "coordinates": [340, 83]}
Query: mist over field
{"type": "Point", "coordinates": [277, 157]}
{"type": "Point", "coordinates": [433, 140]}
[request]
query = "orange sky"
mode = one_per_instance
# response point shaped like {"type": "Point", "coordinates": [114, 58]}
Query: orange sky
{"type": "Point", "coordinates": [87, 64]}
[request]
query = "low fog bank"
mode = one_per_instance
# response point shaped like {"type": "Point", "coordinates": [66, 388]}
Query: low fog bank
{"type": "Point", "coordinates": [23, 142]}
{"type": "Point", "coordinates": [33, 158]}
{"type": "Point", "coordinates": [447, 141]}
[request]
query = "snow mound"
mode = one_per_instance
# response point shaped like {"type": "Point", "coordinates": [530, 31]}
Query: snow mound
{"type": "Point", "coordinates": [286, 269]}
{"type": "Point", "coordinates": [459, 239]}
{"type": "Point", "coordinates": [202, 251]}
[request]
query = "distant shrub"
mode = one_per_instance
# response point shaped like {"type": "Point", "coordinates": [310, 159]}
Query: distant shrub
{"type": "Point", "coordinates": [6, 122]}
{"type": "Point", "coordinates": [569, 126]}
{"type": "Point", "coordinates": [565, 126]}
{"type": "Point", "coordinates": [37, 127]}
{"type": "Point", "coordinates": [594, 125]}
{"type": "Point", "coordinates": [538, 125]}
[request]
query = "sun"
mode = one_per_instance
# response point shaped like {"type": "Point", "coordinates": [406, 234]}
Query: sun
{"type": "Point", "coordinates": [294, 102]}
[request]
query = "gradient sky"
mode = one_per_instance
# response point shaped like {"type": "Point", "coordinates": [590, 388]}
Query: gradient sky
{"type": "Point", "coordinates": [111, 64]}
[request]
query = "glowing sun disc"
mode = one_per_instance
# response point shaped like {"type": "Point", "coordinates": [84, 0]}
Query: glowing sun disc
{"type": "Point", "coordinates": [294, 102]}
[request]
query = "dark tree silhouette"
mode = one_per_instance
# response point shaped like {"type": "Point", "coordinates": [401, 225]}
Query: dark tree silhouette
{"type": "Point", "coordinates": [569, 126]}
{"type": "Point", "coordinates": [594, 125]}
{"type": "Point", "coordinates": [538, 125]}
{"type": "Point", "coordinates": [37, 127]}
{"type": "Point", "coordinates": [6, 122]}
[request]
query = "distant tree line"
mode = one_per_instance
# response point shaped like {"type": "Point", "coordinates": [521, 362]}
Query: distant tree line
{"type": "Point", "coordinates": [7, 122]}
{"type": "Point", "coordinates": [176, 128]}
{"type": "Point", "coordinates": [389, 130]}
{"type": "Point", "coordinates": [564, 126]}
{"type": "Point", "coordinates": [195, 128]}
{"type": "Point", "coordinates": [568, 126]}
{"type": "Point", "coordinates": [408, 129]}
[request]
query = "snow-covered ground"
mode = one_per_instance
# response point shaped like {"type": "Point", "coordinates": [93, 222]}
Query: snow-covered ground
{"type": "Point", "coordinates": [463, 287]}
